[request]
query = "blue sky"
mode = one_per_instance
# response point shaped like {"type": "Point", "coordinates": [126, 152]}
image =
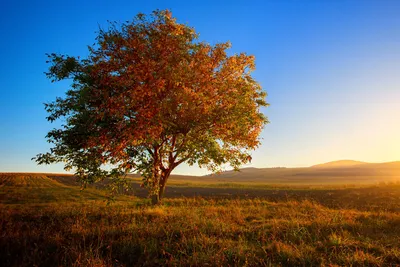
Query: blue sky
{"type": "Point", "coordinates": [331, 70]}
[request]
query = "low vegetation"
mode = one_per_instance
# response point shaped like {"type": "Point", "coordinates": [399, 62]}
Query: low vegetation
{"type": "Point", "coordinates": [45, 222]}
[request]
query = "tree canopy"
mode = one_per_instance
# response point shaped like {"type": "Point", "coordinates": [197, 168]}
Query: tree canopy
{"type": "Point", "coordinates": [150, 96]}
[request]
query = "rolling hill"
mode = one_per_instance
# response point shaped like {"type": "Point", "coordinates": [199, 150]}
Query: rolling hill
{"type": "Point", "coordinates": [28, 187]}
{"type": "Point", "coordinates": [339, 164]}
{"type": "Point", "coordinates": [34, 188]}
{"type": "Point", "coordinates": [346, 171]}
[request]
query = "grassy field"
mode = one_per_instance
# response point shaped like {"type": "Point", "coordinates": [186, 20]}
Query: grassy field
{"type": "Point", "coordinates": [46, 220]}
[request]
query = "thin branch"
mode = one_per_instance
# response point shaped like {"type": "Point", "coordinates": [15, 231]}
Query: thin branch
{"type": "Point", "coordinates": [183, 159]}
{"type": "Point", "coordinates": [150, 152]}
{"type": "Point", "coordinates": [171, 157]}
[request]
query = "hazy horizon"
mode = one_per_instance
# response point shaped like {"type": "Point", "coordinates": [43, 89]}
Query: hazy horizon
{"type": "Point", "coordinates": [331, 164]}
{"type": "Point", "coordinates": [330, 68]}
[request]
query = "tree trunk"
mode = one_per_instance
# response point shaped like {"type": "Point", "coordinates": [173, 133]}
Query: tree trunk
{"type": "Point", "coordinates": [156, 198]}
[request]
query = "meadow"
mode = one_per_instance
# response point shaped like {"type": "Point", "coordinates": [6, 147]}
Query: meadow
{"type": "Point", "coordinates": [46, 220]}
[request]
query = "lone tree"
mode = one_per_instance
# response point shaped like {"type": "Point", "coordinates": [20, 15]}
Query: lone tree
{"type": "Point", "coordinates": [149, 97]}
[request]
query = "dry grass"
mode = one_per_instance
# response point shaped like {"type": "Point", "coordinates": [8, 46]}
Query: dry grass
{"type": "Point", "coordinates": [84, 231]}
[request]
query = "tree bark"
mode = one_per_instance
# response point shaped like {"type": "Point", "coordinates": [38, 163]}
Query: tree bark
{"type": "Point", "coordinates": [156, 198]}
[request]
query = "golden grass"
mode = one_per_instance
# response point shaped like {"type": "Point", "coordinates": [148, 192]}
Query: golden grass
{"type": "Point", "coordinates": [62, 226]}
{"type": "Point", "coordinates": [196, 232]}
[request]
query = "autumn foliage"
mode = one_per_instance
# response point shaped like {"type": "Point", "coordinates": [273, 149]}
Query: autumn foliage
{"type": "Point", "coordinates": [149, 97]}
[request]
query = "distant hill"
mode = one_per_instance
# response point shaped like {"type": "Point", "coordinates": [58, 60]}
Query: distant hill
{"type": "Point", "coordinates": [339, 163]}
{"type": "Point", "coordinates": [343, 171]}
{"type": "Point", "coordinates": [331, 173]}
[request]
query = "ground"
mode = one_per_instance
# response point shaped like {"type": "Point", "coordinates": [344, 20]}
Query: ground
{"type": "Point", "coordinates": [46, 220]}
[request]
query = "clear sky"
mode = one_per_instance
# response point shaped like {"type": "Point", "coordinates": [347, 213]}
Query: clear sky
{"type": "Point", "coordinates": [331, 70]}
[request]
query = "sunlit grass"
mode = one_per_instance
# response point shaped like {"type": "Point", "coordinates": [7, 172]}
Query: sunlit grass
{"type": "Point", "coordinates": [48, 223]}
{"type": "Point", "coordinates": [199, 231]}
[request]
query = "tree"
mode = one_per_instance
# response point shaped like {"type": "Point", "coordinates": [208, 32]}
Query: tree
{"type": "Point", "coordinates": [149, 97]}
